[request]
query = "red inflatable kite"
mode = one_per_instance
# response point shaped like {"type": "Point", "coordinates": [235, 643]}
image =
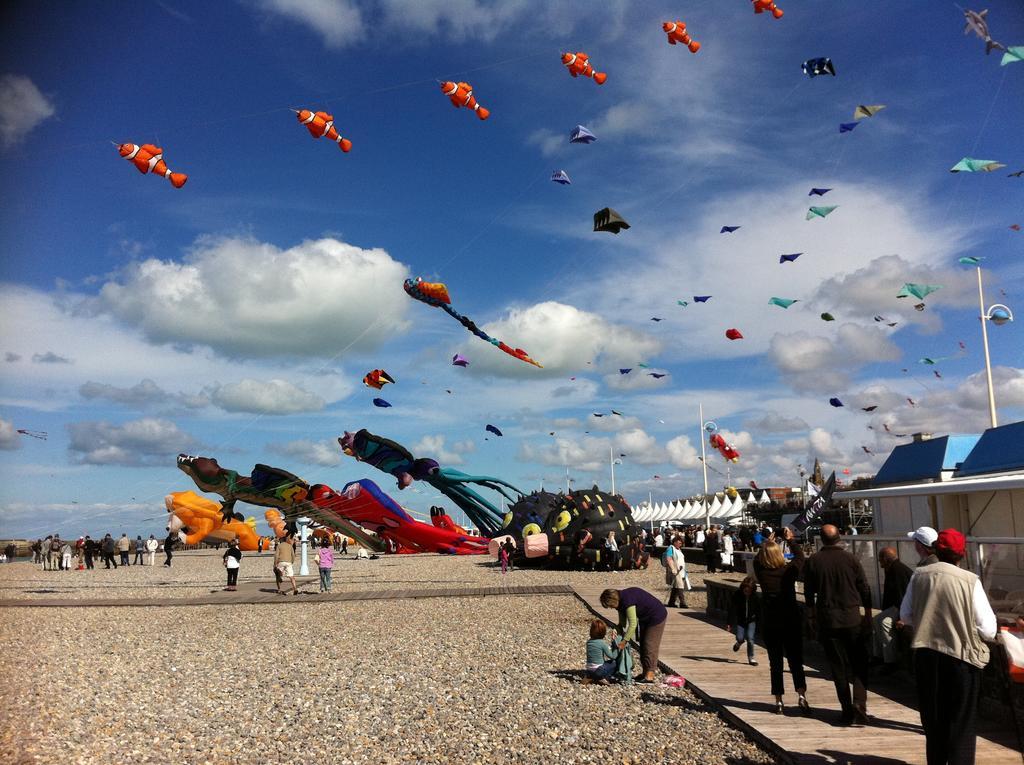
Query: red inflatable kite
{"type": "Point", "coordinates": [461, 95]}
{"type": "Point", "coordinates": [676, 31]}
{"type": "Point", "coordinates": [579, 64]}
{"type": "Point", "coordinates": [724, 448]}
{"type": "Point", "coordinates": [321, 125]}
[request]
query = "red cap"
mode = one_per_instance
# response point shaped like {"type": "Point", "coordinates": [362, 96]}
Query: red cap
{"type": "Point", "coordinates": [952, 541]}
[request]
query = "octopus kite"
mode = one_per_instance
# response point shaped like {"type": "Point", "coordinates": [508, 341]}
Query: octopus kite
{"type": "Point", "coordinates": [436, 294]}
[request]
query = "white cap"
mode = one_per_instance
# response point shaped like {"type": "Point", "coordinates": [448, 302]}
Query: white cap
{"type": "Point", "coordinates": [926, 535]}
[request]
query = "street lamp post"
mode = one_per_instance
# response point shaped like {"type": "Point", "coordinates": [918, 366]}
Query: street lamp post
{"type": "Point", "coordinates": [704, 465]}
{"type": "Point", "coordinates": [998, 314]}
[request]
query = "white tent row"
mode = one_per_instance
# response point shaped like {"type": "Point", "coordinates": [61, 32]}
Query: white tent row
{"type": "Point", "coordinates": [662, 512]}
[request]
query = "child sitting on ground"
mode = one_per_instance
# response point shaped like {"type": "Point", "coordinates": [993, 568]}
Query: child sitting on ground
{"type": "Point", "coordinates": [602, 658]}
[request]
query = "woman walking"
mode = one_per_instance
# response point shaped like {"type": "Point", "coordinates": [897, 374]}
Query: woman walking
{"type": "Point", "coordinates": [781, 625]}
{"type": "Point", "coordinates": [639, 611]}
{"type": "Point", "coordinates": [233, 562]}
{"type": "Point", "coordinates": [325, 562]}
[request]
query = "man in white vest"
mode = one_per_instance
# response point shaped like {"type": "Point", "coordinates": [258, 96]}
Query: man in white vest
{"type": "Point", "coordinates": [950, 614]}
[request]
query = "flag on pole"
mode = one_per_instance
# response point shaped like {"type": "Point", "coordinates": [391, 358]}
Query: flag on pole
{"type": "Point", "coordinates": [820, 502]}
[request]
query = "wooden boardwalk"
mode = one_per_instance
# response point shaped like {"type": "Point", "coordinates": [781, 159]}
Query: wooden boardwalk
{"type": "Point", "coordinates": [701, 651]}
{"type": "Point", "coordinates": [256, 593]}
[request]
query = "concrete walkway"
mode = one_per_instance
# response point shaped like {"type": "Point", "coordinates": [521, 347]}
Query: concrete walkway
{"type": "Point", "coordinates": [700, 650]}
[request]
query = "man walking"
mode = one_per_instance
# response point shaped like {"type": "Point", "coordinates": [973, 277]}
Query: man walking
{"type": "Point", "coordinates": [54, 553]}
{"type": "Point", "coordinates": [886, 621]}
{"type": "Point", "coordinates": [88, 549]}
{"type": "Point", "coordinates": [169, 547]}
{"type": "Point", "coordinates": [924, 539]}
{"type": "Point", "coordinates": [123, 546]}
{"type": "Point", "coordinates": [140, 546]}
{"type": "Point", "coordinates": [947, 607]}
{"type": "Point", "coordinates": [284, 562]}
{"type": "Point", "coordinates": [835, 590]}
{"type": "Point", "coordinates": [151, 547]}
{"type": "Point", "coordinates": [712, 555]}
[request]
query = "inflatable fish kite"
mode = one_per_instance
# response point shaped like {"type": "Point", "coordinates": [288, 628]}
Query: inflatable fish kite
{"type": "Point", "coordinates": [968, 165]}
{"type": "Point", "coordinates": [580, 134]}
{"type": "Point", "coordinates": [760, 6]}
{"type": "Point", "coordinates": [579, 64]}
{"type": "Point", "coordinates": [609, 220]}
{"type": "Point", "coordinates": [377, 379]}
{"type": "Point", "coordinates": [150, 159]}
{"type": "Point", "coordinates": [977, 23]}
{"type": "Point", "coordinates": [560, 176]}
{"type": "Point", "coordinates": [676, 31]}
{"type": "Point", "coordinates": [461, 96]}
{"type": "Point", "coordinates": [733, 334]}
{"type": "Point", "coordinates": [819, 212]}
{"type": "Point", "coordinates": [724, 448]}
{"type": "Point", "coordinates": [863, 111]}
{"type": "Point", "coordinates": [789, 258]}
{"type": "Point", "coordinates": [813, 67]}
{"type": "Point", "coordinates": [436, 295]}
{"type": "Point", "coordinates": [321, 125]}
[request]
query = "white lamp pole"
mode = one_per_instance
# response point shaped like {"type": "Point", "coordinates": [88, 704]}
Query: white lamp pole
{"type": "Point", "coordinates": [988, 362]}
{"type": "Point", "coordinates": [704, 464]}
{"type": "Point", "coordinates": [611, 462]}
{"type": "Point", "coordinates": [304, 537]}
{"type": "Point", "coordinates": [998, 314]}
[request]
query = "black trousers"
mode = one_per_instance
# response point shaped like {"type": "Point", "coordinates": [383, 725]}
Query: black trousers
{"type": "Point", "coordinates": [232, 577]}
{"type": "Point", "coordinates": [168, 561]}
{"type": "Point", "coordinates": [714, 561]}
{"type": "Point", "coordinates": [138, 558]}
{"type": "Point", "coordinates": [847, 652]}
{"type": "Point", "coordinates": [947, 691]}
{"type": "Point", "coordinates": [108, 558]}
{"type": "Point", "coordinates": [677, 595]}
{"type": "Point", "coordinates": [124, 559]}
{"type": "Point", "coordinates": [88, 560]}
{"type": "Point", "coordinates": [783, 636]}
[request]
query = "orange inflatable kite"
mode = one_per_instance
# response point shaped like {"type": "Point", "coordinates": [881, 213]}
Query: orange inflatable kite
{"type": "Point", "coordinates": [150, 159]}
{"type": "Point", "coordinates": [461, 95]}
{"type": "Point", "coordinates": [676, 31]}
{"type": "Point", "coordinates": [579, 64]}
{"type": "Point", "coordinates": [760, 6]}
{"type": "Point", "coordinates": [321, 125]}
{"type": "Point", "coordinates": [198, 519]}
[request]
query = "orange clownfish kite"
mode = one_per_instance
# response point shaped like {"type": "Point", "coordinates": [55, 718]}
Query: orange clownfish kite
{"type": "Point", "coordinates": [150, 159]}
{"type": "Point", "coordinates": [676, 31]}
{"type": "Point", "coordinates": [461, 94]}
{"type": "Point", "coordinates": [760, 6]}
{"type": "Point", "coordinates": [321, 125]}
{"type": "Point", "coordinates": [578, 63]}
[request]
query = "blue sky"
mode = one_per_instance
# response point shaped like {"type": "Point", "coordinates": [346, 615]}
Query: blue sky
{"type": "Point", "coordinates": [237, 316]}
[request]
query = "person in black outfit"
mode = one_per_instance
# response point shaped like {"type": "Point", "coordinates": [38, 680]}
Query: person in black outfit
{"type": "Point", "coordinates": [88, 549]}
{"type": "Point", "coordinates": [781, 625]}
{"type": "Point", "coordinates": [232, 567]}
{"type": "Point", "coordinates": [835, 590]}
{"type": "Point", "coordinates": [712, 555]}
{"type": "Point", "coordinates": [107, 548]}
{"type": "Point", "coordinates": [511, 548]}
{"type": "Point", "coordinates": [169, 547]}
{"type": "Point", "coordinates": [887, 621]}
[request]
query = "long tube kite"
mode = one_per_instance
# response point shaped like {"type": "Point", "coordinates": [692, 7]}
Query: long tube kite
{"type": "Point", "coordinates": [436, 294]}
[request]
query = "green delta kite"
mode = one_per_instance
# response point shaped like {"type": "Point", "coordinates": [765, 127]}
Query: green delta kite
{"type": "Point", "coordinates": [820, 212]}
{"type": "Point", "coordinates": [968, 165]}
{"type": "Point", "coordinates": [781, 302]}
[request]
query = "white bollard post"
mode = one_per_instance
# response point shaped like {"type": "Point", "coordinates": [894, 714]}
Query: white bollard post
{"type": "Point", "coordinates": [304, 536]}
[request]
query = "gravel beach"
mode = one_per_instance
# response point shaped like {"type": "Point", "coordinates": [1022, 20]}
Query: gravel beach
{"type": "Point", "coordinates": [472, 679]}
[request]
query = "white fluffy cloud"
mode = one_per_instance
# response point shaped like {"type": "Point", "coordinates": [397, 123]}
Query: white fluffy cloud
{"type": "Point", "coordinates": [324, 453]}
{"type": "Point", "coordinates": [22, 107]}
{"type": "Point", "coordinates": [561, 337]}
{"type": "Point", "coordinates": [339, 22]}
{"type": "Point", "coordinates": [814, 362]}
{"type": "Point", "coordinates": [274, 397]}
{"type": "Point", "coordinates": [245, 298]}
{"type": "Point", "coordinates": [433, 446]}
{"type": "Point", "coordinates": [137, 443]}
{"type": "Point", "coordinates": [142, 394]}
{"type": "Point", "coordinates": [9, 438]}
{"type": "Point", "coordinates": [682, 453]}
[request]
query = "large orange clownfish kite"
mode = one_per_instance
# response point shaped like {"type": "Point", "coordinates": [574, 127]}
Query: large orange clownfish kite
{"type": "Point", "coordinates": [761, 6]}
{"type": "Point", "coordinates": [321, 125]}
{"type": "Point", "coordinates": [579, 64]}
{"type": "Point", "coordinates": [676, 31]}
{"type": "Point", "coordinates": [150, 159]}
{"type": "Point", "coordinates": [461, 95]}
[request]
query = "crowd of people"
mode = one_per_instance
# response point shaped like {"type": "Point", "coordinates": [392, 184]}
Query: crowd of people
{"type": "Point", "coordinates": [56, 554]}
{"type": "Point", "coordinates": [937, 611]}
